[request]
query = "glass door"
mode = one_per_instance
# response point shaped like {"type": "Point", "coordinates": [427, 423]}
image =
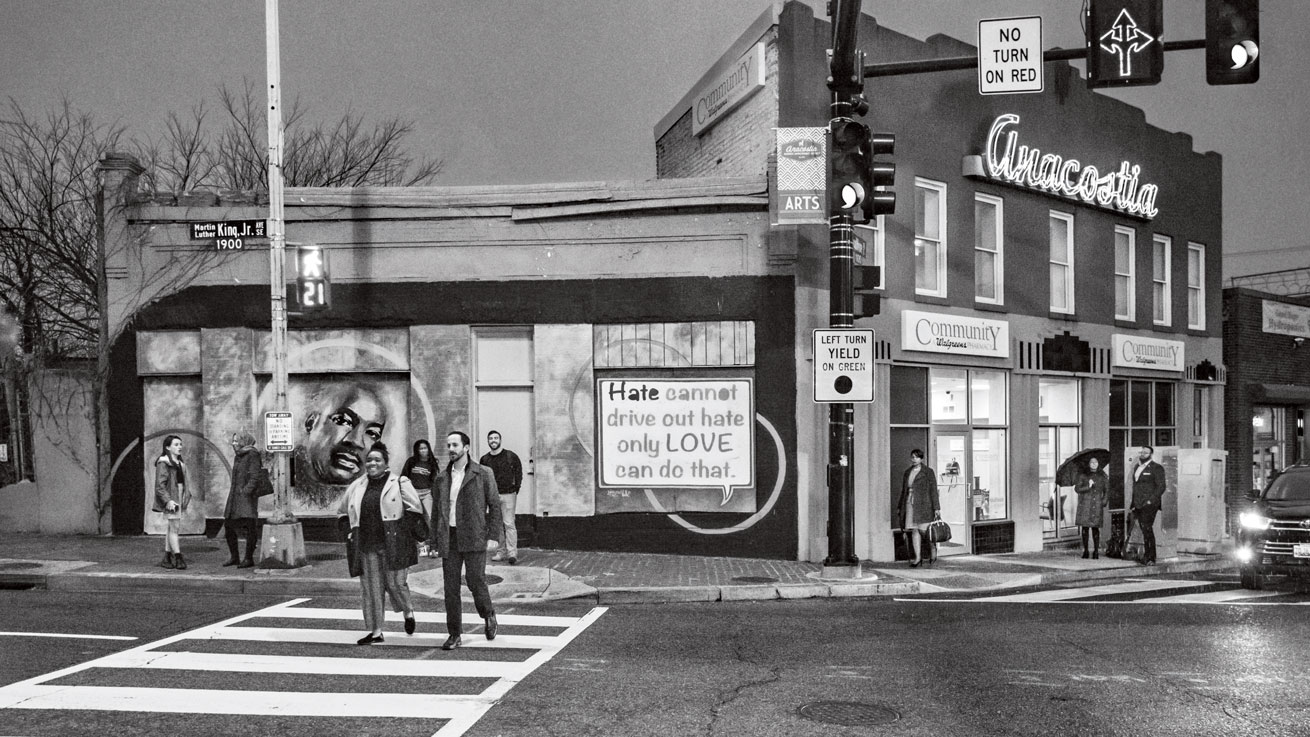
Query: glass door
{"type": "Point", "coordinates": [1058, 502]}
{"type": "Point", "coordinates": [950, 459]}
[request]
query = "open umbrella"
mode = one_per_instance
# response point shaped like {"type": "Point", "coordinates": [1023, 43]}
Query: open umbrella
{"type": "Point", "coordinates": [1076, 464]}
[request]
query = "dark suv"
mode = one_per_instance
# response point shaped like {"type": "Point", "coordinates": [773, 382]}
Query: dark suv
{"type": "Point", "coordinates": [1275, 528]}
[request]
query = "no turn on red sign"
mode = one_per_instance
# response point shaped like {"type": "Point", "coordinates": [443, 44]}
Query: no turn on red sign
{"type": "Point", "coordinates": [843, 365]}
{"type": "Point", "coordinates": [1010, 55]}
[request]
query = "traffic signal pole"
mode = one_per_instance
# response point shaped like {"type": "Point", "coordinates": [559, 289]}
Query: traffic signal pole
{"type": "Point", "coordinates": [846, 82]}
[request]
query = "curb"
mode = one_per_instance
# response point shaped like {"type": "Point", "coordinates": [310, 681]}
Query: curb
{"type": "Point", "coordinates": [1102, 574]}
{"type": "Point", "coordinates": [682, 594]}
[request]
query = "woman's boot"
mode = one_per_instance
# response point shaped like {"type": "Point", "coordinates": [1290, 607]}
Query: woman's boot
{"type": "Point", "coordinates": [249, 560]}
{"type": "Point", "coordinates": [179, 562]}
{"type": "Point", "coordinates": [232, 557]}
{"type": "Point", "coordinates": [167, 562]}
{"type": "Point", "coordinates": [1096, 543]}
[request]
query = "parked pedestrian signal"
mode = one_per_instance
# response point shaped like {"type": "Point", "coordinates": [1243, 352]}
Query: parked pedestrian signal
{"type": "Point", "coordinates": [1232, 41]}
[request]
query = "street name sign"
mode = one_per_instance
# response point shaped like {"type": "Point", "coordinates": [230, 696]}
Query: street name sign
{"type": "Point", "coordinates": [230, 235]}
{"type": "Point", "coordinates": [843, 365]}
{"type": "Point", "coordinates": [277, 431]}
{"type": "Point", "coordinates": [1010, 56]}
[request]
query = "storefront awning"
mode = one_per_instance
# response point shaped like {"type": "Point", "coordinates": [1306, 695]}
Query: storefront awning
{"type": "Point", "coordinates": [1284, 393]}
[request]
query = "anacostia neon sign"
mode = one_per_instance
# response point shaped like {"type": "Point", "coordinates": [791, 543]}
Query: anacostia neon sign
{"type": "Point", "coordinates": [1026, 166]}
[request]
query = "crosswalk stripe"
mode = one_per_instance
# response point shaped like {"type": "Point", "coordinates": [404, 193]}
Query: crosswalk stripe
{"type": "Point", "coordinates": [1211, 597]}
{"type": "Point", "coordinates": [527, 620]}
{"type": "Point", "coordinates": [258, 703]}
{"type": "Point", "coordinates": [459, 712]}
{"type": "Point", "coordinates": [1130, 587]}
{"type": "Point", "coordinates": [252, 663]}
{"type": "Point", "coordinates": [348, 637]}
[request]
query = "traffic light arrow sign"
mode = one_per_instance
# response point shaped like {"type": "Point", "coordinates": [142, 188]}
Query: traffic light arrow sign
{"type": "Point", "coordinates": [1124, 39]}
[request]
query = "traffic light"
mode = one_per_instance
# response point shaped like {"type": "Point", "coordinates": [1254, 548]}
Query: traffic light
{"type": "Point", "coordinates": [1123, 43]}
{"type": "Point", "coordinates": [1232, 41]}
{"type": "Point", "coordinates": [312, 286]}
{"type": "Point", "coordinates": [864, 281]}
{"type": "Point", "coordinates": [855, 177]}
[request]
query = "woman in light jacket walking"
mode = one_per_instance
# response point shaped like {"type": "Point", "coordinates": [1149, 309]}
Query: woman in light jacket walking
{"type": "Point", "coordinates": [1092, 498]}
{"type": "Point", "coordinates": [918, 505]}
{"type": "Point", "coordinates": [386, 521]}
{"type": "Point", "coordinates": [241, 514]}
{"type": "Point", "coordinates": [171, 498]}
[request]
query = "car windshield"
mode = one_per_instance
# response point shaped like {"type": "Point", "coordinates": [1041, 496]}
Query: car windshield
{"type": "Point", "coordinates": [1290, 487]}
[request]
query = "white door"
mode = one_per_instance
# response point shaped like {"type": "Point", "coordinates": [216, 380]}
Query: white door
{"type": "Point", "coordinates": [503, 398]}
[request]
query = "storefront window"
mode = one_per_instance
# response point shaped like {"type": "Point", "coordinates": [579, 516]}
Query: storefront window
{"type": "Point", "coordinates": [969, 417]}
{"type": "Point", "coordinates": [987, 390]}
{"type": "Point", "coordinates": [949, 400]}
{"type": "Point", "coordinates": [1268, 444]}
{"type": "Point", "coordinates": [987, 492]}
{"type": "Point", "coordinates": [1060, 414]}
{"type": "Point", "coordinates": [1150, 415]}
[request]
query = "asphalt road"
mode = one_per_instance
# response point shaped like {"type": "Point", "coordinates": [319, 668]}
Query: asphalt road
{"type": "Point", "coordinates": [1173, 658]}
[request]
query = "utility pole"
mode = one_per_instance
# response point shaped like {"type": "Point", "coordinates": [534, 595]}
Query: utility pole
{"type": "Point", "coordinates": [283, 542]}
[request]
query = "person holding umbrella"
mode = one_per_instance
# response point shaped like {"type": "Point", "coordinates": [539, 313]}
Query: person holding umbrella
{"type": "Point", "coordinates": [1091, 489]}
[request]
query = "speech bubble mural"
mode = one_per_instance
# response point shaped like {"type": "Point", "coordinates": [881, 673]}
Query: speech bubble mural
{"type": "Point", "coordinates": [676, 433]}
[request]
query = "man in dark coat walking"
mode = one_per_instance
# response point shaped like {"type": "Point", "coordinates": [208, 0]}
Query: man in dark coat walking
{"type": "Point", "coordinates": [466, 521]}
{"type": "Point", "coordinates": [1148, 488]}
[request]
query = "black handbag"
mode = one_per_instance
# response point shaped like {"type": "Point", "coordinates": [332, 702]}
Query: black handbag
{"type": "Point", "coordinates": [353, 563]}
{"type": "Point", "coordinates": [938, 531]}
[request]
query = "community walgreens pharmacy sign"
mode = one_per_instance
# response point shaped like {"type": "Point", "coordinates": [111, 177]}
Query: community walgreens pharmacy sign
{"type": "Point", "coordinates": [1133, 351]}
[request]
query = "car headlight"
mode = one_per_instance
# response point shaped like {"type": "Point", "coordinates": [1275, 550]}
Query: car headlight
{"type": "Point", "coordinates": [1253, 521]}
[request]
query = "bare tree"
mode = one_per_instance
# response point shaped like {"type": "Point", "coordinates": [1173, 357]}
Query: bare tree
{"type": "Point", "coordinates": [346, 152]}
{"type": "Point", "coordinates": [51, 253]}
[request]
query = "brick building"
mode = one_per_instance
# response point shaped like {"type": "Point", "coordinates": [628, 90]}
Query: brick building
{"type": "Point", "coordinates": [1268, 362]}
{"type": "Point", "coordinates": [1023, 317]}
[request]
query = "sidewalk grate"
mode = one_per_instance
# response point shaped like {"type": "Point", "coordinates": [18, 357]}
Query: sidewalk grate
{"type": "Point", "coordinates": [848, 713]}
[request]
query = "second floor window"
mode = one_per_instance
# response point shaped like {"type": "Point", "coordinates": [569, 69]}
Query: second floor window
{"type": "Point", "coordinates": [1125, 283]}
{"type": "Point", "coordinates": [929, 238]}
{"type": "Point", "coordinates": [1161, 291]}
{"type": "Point", "coordinates": [1196, 286]}
{"type": "Point", "coordinates": [988, 237]}
{"type": "Point", "coordinates": [1061, 262]}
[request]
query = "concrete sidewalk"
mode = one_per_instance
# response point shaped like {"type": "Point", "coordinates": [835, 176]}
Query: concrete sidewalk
{"type": "Point", "coordinates": [99, 563]}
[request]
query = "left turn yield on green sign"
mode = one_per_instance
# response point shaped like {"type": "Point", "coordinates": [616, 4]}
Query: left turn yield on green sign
{"type": "Point", "coordinates": [843, 365]}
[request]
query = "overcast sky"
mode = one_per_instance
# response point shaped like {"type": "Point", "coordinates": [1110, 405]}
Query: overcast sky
{"type": "Point", "coordinates": [510, 91]}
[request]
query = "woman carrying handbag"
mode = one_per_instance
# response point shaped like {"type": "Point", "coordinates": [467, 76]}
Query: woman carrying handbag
{"type": "Point", "coordinates": [919, 506]}
{"type": "Point", "coordinates": [384, 514]}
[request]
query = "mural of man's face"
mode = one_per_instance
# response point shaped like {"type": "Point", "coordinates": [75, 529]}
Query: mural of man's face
{"type": "Point", "coordinates": [347, 421]}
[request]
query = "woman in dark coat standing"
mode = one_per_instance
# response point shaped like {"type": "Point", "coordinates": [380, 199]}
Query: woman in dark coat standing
{"type": "Point", "coordinates": [918, 505]}
{"type": "Point", "coordinates": [241, 515]}
{"type": "Point", "coordinates": [385, 522]}
{"type": "Point", "coordinates": [1091, 488]}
